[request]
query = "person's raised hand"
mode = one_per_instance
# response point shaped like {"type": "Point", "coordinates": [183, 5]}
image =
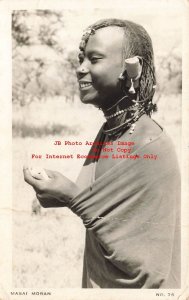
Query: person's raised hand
{"type": "Point", "coordinates": [52, 188]}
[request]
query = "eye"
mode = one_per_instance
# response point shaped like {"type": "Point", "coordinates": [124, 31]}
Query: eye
{"type": "Point", "coordinates": [94, 59]}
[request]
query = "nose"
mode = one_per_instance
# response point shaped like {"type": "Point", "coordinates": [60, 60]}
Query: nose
{"type": "Point", "coordinates": [82, 70]}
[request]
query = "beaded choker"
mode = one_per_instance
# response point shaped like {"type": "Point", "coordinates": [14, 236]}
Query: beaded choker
{"type": "Point", "coordinates": [130, 114]}
{"type": "Point", "coordinates": [119, 112]}
{"type": "Point", "coordinates": [129, 123]}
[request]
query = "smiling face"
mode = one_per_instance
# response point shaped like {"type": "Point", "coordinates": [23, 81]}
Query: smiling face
{"type": "Point", "coordinates": [101, 65]}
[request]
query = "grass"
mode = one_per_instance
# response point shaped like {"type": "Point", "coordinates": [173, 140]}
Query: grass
{"type": "Point", "coordinates": [21, 129]}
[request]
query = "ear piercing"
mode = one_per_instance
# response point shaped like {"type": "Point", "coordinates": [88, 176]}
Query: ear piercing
{"type": "Point", "coordinates": [132, 72]}
{"type": "Point", "coordinates": [132, 89]}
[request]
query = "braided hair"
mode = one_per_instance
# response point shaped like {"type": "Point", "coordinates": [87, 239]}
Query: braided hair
{"type": "Point", "coordinates": [139, 44]}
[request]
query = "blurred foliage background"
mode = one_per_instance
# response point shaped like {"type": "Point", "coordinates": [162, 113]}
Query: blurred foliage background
{"type": "Point", "coordinates": [41, 68]}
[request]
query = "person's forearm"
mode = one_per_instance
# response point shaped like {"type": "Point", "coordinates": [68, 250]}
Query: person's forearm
{"type": "Point", "coordinates": [62, 198]}
{"type": "Point", "coordinates": [50, 203]}
{"type": "Point", "coordinates": [71, 192]}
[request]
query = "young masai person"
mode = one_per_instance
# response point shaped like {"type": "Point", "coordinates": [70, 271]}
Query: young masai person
{"type": "Point", "coordinates": [128, 204]}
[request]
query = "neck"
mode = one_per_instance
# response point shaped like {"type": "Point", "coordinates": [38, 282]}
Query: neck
{"type": "Point", "coordinates": [123, 113]}
{"type": "Point", "coordinates": [122, 102]}
{"type": "Point", "coordinates": [118, 112]}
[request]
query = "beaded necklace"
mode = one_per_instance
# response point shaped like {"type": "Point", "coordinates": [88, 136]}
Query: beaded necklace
{"type": "Point", "coordinates": [131, 115]}
{"type": "Point", "coordinates": [129, 123]}
{"type": "Point", "coordinates": [119, 112]}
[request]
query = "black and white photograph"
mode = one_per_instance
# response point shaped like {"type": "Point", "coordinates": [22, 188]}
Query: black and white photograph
{"type": "Point", "coordinates": [95, 163]}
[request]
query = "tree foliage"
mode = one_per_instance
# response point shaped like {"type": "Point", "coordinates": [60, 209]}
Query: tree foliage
{"type": "Point", "coordinates": [41, 68]}
{"type": "Point", "coordinates": [169, 74]}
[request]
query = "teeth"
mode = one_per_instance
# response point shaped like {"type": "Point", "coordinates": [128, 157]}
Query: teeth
{"type": "Point", "coordinates": [83, 85]}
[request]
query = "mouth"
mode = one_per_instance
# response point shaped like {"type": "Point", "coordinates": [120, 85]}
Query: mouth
{"type": "Point", "coordinates": [84, 85]}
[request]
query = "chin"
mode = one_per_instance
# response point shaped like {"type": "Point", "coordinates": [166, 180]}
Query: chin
{"type": "Point", "coordinates": [86, 99]}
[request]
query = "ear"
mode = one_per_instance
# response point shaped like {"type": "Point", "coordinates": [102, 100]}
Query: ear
{"type": "Point", "coordinates": [133, 67]}
{"type": "Point", "coordinates": [132, 73]}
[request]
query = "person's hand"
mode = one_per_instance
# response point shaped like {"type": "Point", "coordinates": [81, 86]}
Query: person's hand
{"type": "Point", "coordinates": [54, 191]}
